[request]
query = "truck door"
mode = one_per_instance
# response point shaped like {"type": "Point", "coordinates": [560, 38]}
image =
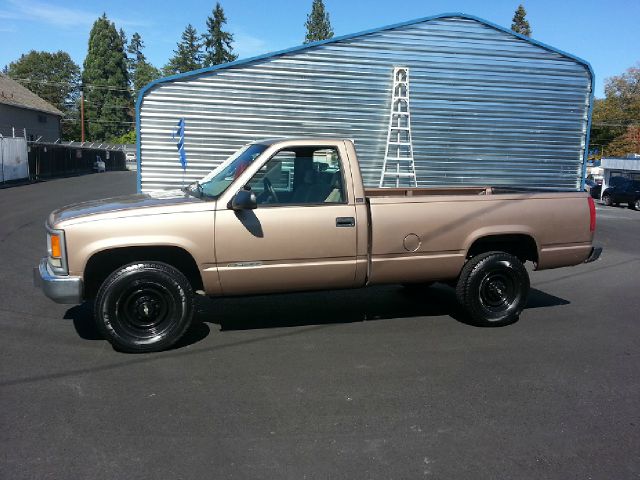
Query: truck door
{"type": "Point", "coordinates": [302, 236]}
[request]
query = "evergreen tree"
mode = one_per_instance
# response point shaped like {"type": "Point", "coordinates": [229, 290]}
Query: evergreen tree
{"type": "Point", "coordinates": [141, 72]}
{"type": "Point", "coordinates": [123, 38]}
{"type": "Point", "coordinates": [135, 48]}
{"type": "Point", "coordinates": [188, 55]}
{"type": "Point", "coordinates": [106, 83]}
{"type": "Point", "coordinates": [520, 23]}
{"type": "Point", "coordinates": [217, 42]}
{"type": "Point", "coordinates": [318, 24]}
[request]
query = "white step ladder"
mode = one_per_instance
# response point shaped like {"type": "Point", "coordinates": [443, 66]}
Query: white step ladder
{"type": "Point", "coordinates": [398, 158]}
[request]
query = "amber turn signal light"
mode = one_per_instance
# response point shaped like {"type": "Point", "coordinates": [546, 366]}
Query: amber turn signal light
{"type": "Point", "coordinates": [56, 249]}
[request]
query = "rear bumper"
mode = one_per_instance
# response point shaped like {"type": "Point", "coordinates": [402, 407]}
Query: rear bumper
{"type": "Point", "coordinates": [594, 255]}
{"type": "Point", "coordinates": [59, 288]}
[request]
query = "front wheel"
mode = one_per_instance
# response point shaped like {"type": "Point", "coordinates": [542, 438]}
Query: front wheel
{"type": "Point", "coordinates": [144, 307]}
{"type": "Point", "coordinates": [636, 204]}
{"type": "Point", "coordinates": [493, 288]}
{"type": "Point", "coordinates": [607, 200]}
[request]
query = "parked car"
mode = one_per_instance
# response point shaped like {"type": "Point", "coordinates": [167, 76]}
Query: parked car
{"type": "Point", "coordinates": [593, 187]}
{"type": "Point", "coordinates": [244, 229]}
{"type": "Point", "coordinates": [131, 162]}
{"type": "Point", "coordinates": [625, 191]}
{"type": "Point", "coordinates": [99, 166]}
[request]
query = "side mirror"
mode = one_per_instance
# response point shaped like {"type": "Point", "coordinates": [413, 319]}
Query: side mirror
{"type": "Point", "coordinates": [244, 200]}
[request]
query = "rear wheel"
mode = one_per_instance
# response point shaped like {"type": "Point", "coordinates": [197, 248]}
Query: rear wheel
{"type": "Point", "coordinates": [636, 204]}
{"type": "Point", "coordinates": [493, 288]}
{"type": "Point", "coordinates": [144, 307]}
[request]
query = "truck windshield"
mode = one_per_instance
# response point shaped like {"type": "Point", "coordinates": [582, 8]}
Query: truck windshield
{"type": "Point", "coordinates": [216, 182]}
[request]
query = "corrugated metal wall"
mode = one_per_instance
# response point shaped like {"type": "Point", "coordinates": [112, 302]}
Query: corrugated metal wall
{"type": "Point", "coordinates": [487, 107]}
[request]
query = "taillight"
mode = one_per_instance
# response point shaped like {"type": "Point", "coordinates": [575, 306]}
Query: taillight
{"type": "Point", "coordinates": [592, 215]}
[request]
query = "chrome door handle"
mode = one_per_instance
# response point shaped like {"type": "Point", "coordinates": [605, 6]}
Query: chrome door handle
{"type": "Point", "coordinates": [345, 222]}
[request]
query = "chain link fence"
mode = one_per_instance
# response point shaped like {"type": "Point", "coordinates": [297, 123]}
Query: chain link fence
{"type": "Point", "coordinates": [47, 160]}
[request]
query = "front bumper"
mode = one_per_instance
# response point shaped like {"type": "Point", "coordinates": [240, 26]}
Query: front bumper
{"type": "Point", "coordinates": [59, 288]}
{"type": "Point", "coordinates": [595, 255]}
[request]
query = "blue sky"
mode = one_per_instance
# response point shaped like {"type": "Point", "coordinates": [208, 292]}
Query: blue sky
{"type": "Point", "coordinates": [604, 33]}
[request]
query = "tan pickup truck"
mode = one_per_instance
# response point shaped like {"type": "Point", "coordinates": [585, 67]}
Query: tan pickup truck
{"type": "Point", "coordinates": [293, 215]}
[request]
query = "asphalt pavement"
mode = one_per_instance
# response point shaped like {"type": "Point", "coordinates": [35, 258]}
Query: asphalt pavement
{"type": "Point", "coordinates": [374, 383]}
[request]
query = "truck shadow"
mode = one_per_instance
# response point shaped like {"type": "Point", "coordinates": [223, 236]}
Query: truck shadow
{"type": "Point", "coordinates": [342, 306]}
{"type": "Point", "coordinates": [313, 308]}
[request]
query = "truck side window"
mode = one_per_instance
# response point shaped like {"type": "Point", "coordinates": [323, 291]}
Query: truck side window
{"type": "Point", "coordinates": [300, 176]}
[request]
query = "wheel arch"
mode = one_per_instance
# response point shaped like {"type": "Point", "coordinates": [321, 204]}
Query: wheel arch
{"type": "Point", "coordinates": [520, 244]}
{"type": "Point", "coordinates": [104, 262]}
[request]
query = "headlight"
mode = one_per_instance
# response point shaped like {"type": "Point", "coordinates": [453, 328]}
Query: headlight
{"type": "Point", "coordinates": [56, 250]}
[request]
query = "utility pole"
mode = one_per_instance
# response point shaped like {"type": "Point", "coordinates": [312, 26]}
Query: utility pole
{"type": "Point", "coordinates": [82, 112]}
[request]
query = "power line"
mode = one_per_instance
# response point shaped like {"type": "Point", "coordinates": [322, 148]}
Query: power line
{"type": "Point", "coordinates": [74, 86]}
{"type": "Point", "coordinates": [102, 122]}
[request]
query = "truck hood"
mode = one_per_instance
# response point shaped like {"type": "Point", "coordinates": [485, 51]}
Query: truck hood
{"type": "Point", "coordinates": [121, 204]}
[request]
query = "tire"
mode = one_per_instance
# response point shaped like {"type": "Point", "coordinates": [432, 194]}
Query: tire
{"type": "Point", "coordinates": [493, 288]}
{"type": "Point", "coordinates": [144, 307]}
{"type": "Point", "coordinates": [636, 204]}
{"type": "Point", "coordinates": [607, 200]}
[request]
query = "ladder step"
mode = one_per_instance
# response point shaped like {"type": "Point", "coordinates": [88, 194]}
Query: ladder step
{"type": "Point", "coordinates": [407, 144]}
{"type": "Point", "coordinates": [406, 129]}
{"type": "Point", "coordinates": [399, 159]}
{"type": "Point", "coordinates": [399, 174]}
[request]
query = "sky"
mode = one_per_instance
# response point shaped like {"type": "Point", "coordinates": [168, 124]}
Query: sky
{"type": "Point", "coordinates": [605, 33]}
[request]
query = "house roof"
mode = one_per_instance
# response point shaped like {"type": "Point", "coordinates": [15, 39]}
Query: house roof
{"type": "Point", "coordinates": [14, 94]}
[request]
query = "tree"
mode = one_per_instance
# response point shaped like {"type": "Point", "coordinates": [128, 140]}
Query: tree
{"type": "Point", "coordinates": [135, 48]}
{"type": "Point", "coordinates": [141, 72]}
{"type": "Point", "coordinates": [52, 76]}
{"type": "Point", "coordinates": [188, 55]}
{"type": "Point", "coordinates": [217, 42]}
{"type": "Point", "coordinates": [128, 138]}
{"type": "Point", "coordinates": [123, 38]}
{"type": "Point", "coordinates": [55, 78]}
{"type": "Point", "coordinates": [520, 24]}
{"type": "Point", "coordinates": [318, 24]}
{"type": "Point", "coordinates": [106, 83]}
{"type": "Point", "coordinates": [616, 118]}
{"type": "Point", "coordinates": [144, 74]}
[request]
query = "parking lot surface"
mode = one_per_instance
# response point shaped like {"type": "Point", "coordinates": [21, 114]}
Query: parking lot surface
{"type": "Point", "coordinates": [373, 383]}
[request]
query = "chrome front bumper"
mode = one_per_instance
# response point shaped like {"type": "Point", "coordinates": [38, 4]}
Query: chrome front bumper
{"type": "Point", "coordinates": [59, 288]}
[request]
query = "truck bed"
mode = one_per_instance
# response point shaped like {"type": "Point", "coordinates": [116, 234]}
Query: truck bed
{"type": "Point", "coordinates": [425, 234]}
{"type": "Point", "coordinates": [419, 192]}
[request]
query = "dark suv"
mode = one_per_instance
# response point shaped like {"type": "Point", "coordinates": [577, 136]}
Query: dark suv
{"type": "Point", "coordinates": [623, 191]}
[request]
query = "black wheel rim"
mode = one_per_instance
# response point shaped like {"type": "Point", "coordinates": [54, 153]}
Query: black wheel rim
{"type": "Point", "coordinates": [145, 309]}
{"type": "Point", "coordinates": [498, 291]}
